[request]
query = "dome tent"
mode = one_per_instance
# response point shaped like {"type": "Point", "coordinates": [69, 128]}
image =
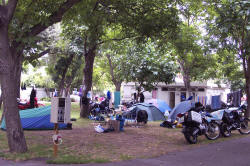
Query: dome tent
{"type": "Point", "coordinates": [160, 104]}
{"type": "Point", "coordinates": [36, 119]}
{"type": "Point", "coordinates": [154, 113]}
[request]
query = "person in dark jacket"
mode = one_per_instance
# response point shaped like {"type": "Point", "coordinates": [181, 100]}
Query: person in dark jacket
{"type": "Point", "coordinates": [32, 98]}
{"type": "Point", "coordinates": [141, 97]}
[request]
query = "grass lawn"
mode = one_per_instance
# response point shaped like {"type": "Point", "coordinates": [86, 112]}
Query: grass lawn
{"type": "Point", "coordinates": [83, 145]}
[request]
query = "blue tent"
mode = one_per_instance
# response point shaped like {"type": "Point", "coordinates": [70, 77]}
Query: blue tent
{"type": "Point", "coordinates": [160, 104]}
{"type": "Point", "coordinates": [182, 107]}
{"type": "Point", "coordinates": [154, 113]}
{"type": "Point", "coordinates": [36, 119]}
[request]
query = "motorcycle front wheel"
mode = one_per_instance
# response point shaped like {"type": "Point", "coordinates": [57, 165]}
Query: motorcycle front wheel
{"type": "Point", "coordinates": [245, 126]}
{"type": "Point", "coordinates": [213, 131]}
{"type": "Point", "coordinates": [224, 130]}
{"type": "Point", "coordinates": [192, 139]}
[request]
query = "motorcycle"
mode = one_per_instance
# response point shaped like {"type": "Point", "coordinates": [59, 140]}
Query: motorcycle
{"type": "Point", "coordinates": [197, 122]}
{"type": "Point", "coordinates": [234, 119]}
{"type": "Point", "coordinates": [101, 108]}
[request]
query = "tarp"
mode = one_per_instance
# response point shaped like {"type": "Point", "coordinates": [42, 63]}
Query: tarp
{"type": "Point", "coordinates": [154, 113]}
{"type": "Point", "coordinates": [117, 95]}
{"type": "Point", "coordinates": [160, 104]}
{"type": "Point", "coordinates": [216, 102]}
{"type": "Point", "coordinates": [36, 119]}
{"type": "Point", "coordinates": [182, 107]}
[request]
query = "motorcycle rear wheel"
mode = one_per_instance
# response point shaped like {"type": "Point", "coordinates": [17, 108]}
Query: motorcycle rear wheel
{"type": "Point", "coordinates": [213, 131]}
{"type": "Point", "coordinates": [192, 139]}
{"type": "Point", "coordinates": [224, 130]}
{"type": "Point", "coordinates": [245, 126]}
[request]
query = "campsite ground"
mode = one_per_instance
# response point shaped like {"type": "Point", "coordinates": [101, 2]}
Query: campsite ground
{"type": "Point", "coordinates": [83, 145]}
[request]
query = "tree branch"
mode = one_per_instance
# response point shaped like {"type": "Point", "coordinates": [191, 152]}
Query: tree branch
{"type": "Point", "coordinates": [54, 18]}
{"type": "Point", "coordinates": [31, 58]}
{"type": "Point", "coordinates": [3, 2]}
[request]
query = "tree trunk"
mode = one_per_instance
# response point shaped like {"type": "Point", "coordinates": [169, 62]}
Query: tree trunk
{"type": "Point", "coordinates": [8, 73]}
{"type": "Point", "coordinates": [62, 83]}
{"type": "Point", "coordinates": [18, 71]}
{"type": "Point", "coordinates": [87, 82]}
{"type": "Point", "coordinates": [118, 86]}
{"type": "Point", "coordinates": [1, 100]}
{"type": "Point", "coordinates": [247, 77]}
{"type": "Point", "coordinates": [186, 77]}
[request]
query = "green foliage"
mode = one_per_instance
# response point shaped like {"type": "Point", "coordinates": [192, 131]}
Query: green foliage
{"type": "Point", "coordinates": [190, 53]}
{"type": "Point", "coordinates": [65, 63]}
{"type": "Point", "coordinates": [37, 78]}
{"type": "Point", "coordinates": [228, 27]}
{"type": "Point", "coordinates": [145, 65]}
{"type": "Point", "coordinates": [227, 68]}
{"type": "Point", "coordinates": [48, 99]}
{"type": "Point", "coordinates": [101, 76]}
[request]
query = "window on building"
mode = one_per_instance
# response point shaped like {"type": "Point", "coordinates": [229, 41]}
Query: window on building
{"type": "Point", "coordinates": [164, 89]}
{"type": "Point", "coordinates": [171, 89]}
{"type": "Point", "coordinates": [201, 89]}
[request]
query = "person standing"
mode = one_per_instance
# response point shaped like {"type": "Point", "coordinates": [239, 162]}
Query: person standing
{"type": "Point", "coordinates": [109, 99]}
{"type": "Point", "coordinates": [141, 97]}
{"type": "Point", "coordinates": [32, 98]}
{"type": "Point", "coordinates": [134, 97]}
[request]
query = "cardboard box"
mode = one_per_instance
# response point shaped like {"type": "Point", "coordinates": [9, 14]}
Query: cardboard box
{"type": "Point", "coordinates": [114, 124]}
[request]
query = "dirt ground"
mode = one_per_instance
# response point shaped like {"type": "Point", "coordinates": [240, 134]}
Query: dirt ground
{"type": "Point", "coordinates": [135, 142]}
{"type": "Point", "coordinates": [84, 142]}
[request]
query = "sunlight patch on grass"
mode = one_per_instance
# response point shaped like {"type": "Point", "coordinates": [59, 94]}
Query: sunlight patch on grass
{"type": "Point", "coordinates": [125, 157]}
{"type": "Point", "coordinates": [69, 159]}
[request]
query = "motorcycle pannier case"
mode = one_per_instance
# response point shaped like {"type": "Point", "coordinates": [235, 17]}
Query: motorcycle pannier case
{"type": "Point", "coordinates": [194, 117]}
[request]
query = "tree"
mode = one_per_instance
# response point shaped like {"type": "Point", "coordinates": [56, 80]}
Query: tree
{"type": "Point", "coordinates": [228, 26]}
{"type": "Point", "coordinates": [147, 66]}
{"type": "Point", "coordinates": [138, 19]}
{"type": "Point", "coordinates": [114, 53]}
{"type": "Point", "coordinates": [191, 56]}
{"type": "Point", "coordinates": [188, 46]}
{"type": "Point", "coordinates": [228, 69]}
{"type": "Point", "coordinates": [20, 24]}
{"type": "Point", "coordinates": [64, 63]}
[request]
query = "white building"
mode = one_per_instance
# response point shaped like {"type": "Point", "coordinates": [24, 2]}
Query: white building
{"type": "Point", "coordinates": [172, 93]}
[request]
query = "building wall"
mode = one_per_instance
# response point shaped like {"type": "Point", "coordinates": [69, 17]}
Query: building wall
{"type": "Point", "coordinates": [163, 94]}
{"type": "Point", "coordinates": [40, 93]}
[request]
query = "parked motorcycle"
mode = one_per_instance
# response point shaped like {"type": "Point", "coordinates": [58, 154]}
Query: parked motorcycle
{"type": "Point", "coordinates": [101, 108]}
{"type": "Point", "coordinates": [234, 119]}
{"type": "Point", "coordinates": [197, 122]}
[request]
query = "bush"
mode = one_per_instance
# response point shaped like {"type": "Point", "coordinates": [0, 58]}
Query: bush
{"type": "Point", "coordinates": [73, 99]}
{"type": "Point", "coordinates": [46, 99]}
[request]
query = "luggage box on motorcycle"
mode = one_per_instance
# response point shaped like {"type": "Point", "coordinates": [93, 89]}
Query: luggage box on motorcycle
{"type": "Point", "coordinates": [194, 117]}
